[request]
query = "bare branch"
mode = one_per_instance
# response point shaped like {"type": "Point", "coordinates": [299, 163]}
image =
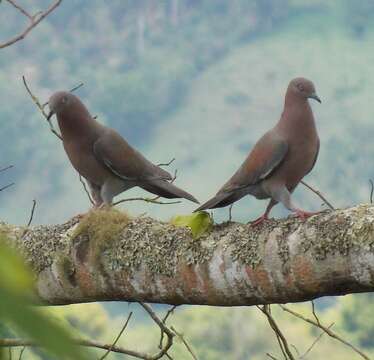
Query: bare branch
{"type": "Point", "coordinates": [170, 335]}
{"type": "Point", "coordinates": [271, 356]}
{"type": "Point", "coordinates": [32, 213]}
{"type": "Point", "coordinates": [318, 338]}
{"type": "Point", "coordinates": [318, 194]}
{"type": "Point", "coordinates": [327, 330]}
{"type": "Point", "coordinates": [6, 186]}
{"type": "Point", "coordinates": [71, 90]}
{"type": "Point", "coordinates": [6, 168]}
{"type": "Point", "coordinates": [118, 337]}
{"type": "Point", "coordinates": [81, 342]}
{"type": "Point", "coordinates": [21, 353]}
{"type": "Point", "coordinates": [168, 163]}
{"type": "Point", "coordinates": [283, 344]}
{"type": "Point", "coordinates": [86, 190]}
{"type": "Point", "coordinates": [153, 200]}
{"type": "Point", "coordinates": [169, 312]}
{"type": "Point", "coordinates": [314, 313]}
{"type": "Point", "coordinates": [34, 20]}
{"type": "Point", "coordinates": [186, 344]}
{"type": "Point", "coordinates": [40, 107]}
{"type": "Point", "coordinates": [371, 190]}
{"type": "Point", "coordinates": [230, 212]}
{"type": "Point", "coordinates": [148, 200]}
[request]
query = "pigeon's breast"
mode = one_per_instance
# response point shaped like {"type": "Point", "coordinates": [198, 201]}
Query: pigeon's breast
{"type": "Point", "coordinates": [85, 163]}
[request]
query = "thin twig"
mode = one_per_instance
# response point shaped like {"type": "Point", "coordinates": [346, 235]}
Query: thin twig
{"type": "Point", "coordinates": [170, 335]}
{"type": "Point", "coordinates": [32, 213]}
{"type": "Point", "coordinates": [34, 21]}
{"type": "Point", "coordinates": [318, 194]}
{"type": "Point", "coordinates": [71, 90]}
{"type": "Point", "coordinates": [40, 107]}
{"type": "Point", "coordinates": [230, 212]}
{"type": "Point", "coordinates": [371, 190]}
{"type": "Point", "coordinates": [118, 337]}
{"type": "Point", "coordinates": [86, 190]}
{"type": "Point", "coordinates": [169, 312]}
{"type": "Point", "coordinates": [188, 347]}
{"type": "Point", "coordinates": [20, 9]}
{"type": "Point", "coordinates": [148, 200]}
{"type": "Point", "coordinates": [27, 229]}
{"type": "Point", "coordinates": [6, 168]}
{"type": "Point", "coordinates": [314, 343]}
{"type": "Point", "coordinates": [153, 200]}
{"type": "Point", "coordinates": [314, 313]}
{"type": "Point", "coordinates": [168, 163]}
{"type": "Point", "coordinates": [271, 356]}
{"type": "Point", "coordinates": [6, 186]}
{"type": "Point", "coordinates": [21, 353]}
{"type": "Point", "coordinates": [285, 348]}
{"type": "Point", "coordinates": [87, 343]}
{"type": "Point", "coordinates": [327, 330]}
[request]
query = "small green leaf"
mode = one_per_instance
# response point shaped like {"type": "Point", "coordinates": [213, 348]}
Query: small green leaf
{"type": "Point", "coordinates": [199, 222]}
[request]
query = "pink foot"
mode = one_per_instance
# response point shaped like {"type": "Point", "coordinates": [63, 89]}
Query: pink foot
{"type": "Point", "coordinates": [303, 215]}
{"type": "Point", "coordinates": [259, 221]}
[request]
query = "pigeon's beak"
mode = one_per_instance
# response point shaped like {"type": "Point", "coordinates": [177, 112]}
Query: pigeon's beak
{"type": "Point", "coordinates": [315, 97]}
{"type": "Point", "coordinates": [51, 113]}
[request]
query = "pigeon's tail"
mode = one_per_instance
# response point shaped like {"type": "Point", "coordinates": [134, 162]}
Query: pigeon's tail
{"type": "Point", "coordinates": [221, 200]}
{"type": "Point", "coordinates": [167, 190]}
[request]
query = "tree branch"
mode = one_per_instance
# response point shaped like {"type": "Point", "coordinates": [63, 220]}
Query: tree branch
{"type": "Point", "coordinates": [141, 259]}
{"type": "Point", "coordinates": [34, 20]}
{"type": "Point", "coordinates": [326, 329]}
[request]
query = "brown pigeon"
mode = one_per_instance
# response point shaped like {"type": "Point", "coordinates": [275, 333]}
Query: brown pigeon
{"type": "Point", "coordinates": [280, 159]}
{"type": "Point", "coordinates": [108, 163]}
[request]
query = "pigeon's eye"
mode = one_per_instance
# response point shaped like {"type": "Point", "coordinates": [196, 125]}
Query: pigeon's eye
{"type": "Point", "coordinates": [300, 87]}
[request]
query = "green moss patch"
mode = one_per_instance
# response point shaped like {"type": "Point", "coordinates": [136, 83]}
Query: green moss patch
{"type": "Point", "coordinates": [100, 227]}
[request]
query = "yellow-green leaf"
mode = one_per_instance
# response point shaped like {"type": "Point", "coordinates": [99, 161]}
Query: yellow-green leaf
{"type": "Point", "coordinates": [199, 222]}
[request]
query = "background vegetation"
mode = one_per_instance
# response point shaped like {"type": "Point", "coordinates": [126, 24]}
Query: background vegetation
{"type": "Point", "coordinates": [199, 80]}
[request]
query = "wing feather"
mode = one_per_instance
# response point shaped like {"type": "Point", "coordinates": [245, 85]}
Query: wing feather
{"type": "Point", "coordinates": [124, 161]}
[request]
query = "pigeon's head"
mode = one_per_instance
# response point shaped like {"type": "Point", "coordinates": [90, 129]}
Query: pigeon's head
{"type": "Point", "coordinates": [61, 102]}
{"type": "Point", "coordinates": [303, 88]}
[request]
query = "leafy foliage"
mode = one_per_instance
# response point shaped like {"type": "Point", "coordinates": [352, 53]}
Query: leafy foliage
{"type": "Point", "coordinates": [15, 309]}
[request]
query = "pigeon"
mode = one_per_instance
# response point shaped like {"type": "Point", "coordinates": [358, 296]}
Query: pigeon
{"type": "Point", "coordinates": [103, 157]}
{"type": "Point", "coordinates": [280, 158]}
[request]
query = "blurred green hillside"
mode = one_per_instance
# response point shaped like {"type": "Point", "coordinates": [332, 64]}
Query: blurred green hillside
{"type": "Point", "coordinates": [191, 80]}
{"type": "Point", "coordinates": [198, 80]}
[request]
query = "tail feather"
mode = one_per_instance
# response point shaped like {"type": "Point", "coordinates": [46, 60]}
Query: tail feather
{"type": "Point", "coordinates": [221, 200]}
{"type": "Point", "coordinates": [167, 190]}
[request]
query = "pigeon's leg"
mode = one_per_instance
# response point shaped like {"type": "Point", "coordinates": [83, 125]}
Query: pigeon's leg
{"type": "Point", "coordinates": [265, 216]}
{"type": "Point", "coordinates": [112, 187]}
{"type": "Point", "coordinates": [282, 195]}
{"type": "Point", "coordinates": [95, 194]}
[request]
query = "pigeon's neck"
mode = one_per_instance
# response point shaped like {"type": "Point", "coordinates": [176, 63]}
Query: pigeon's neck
{"type": "Point", "coordinates": [297, 115]}
{"type": "Point", "coordinates": [76, 125]}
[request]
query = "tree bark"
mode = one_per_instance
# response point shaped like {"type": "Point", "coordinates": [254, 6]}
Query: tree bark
{"type": "Point", "coordinates": [110, 257]}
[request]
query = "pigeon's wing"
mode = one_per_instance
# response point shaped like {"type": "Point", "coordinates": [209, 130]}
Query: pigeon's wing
{"type": "Point", "coordinates": [124, 161]}
{"type": "Point", "coordinates": [265, 157]}
{"type": "Point", "coordinates": [315, 158]}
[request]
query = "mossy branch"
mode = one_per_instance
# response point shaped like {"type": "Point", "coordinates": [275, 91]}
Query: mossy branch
{"type": "Point", "coordinates": [109, 256]}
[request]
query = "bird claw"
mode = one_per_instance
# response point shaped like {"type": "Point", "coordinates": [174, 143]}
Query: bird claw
{"type": "Point", "coordinates": [258, 221]}
{"type": "Point", "coordinates": [303, 215]}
